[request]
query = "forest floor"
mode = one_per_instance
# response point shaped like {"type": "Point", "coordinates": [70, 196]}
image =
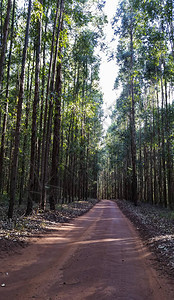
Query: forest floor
{"type": "Point", "coordinates": [154, 224]}
{"type": "Point", "coordinates": [156, 227]}
{"type": "Point", "coordinates": [96, 256]}
{"type": "Point", "coordinates": [16, 233]}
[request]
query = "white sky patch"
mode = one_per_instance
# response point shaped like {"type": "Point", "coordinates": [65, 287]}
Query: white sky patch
{"type": "Point", "coordinates": [21, 3]}
{"type": "Point", "coordinates": [109, 69]}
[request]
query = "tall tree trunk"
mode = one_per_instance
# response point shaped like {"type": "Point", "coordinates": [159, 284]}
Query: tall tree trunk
{"type": "Point", "coordinates": [151, 166]}
{"type": "Point", "coordinates": [163, 147]}
{"type": "Point", "coordinates": [145, 174]}
{"type": "Point", "coordinates": [159, 149]}
{"type": "Point", "coordinates": [6, 104]}
{"type": "Point", "coordinates": [86, 167]}
{"type": "Point", "coordinates": [25, 142]}
{"type": "Point", "coordinates": [42, 106]}
{"type": "Point", "coordinates": [34, 119]}
{"type": "Point", "coordinates": [155, 186]}
{"type": "Point", "coordinates": [140, 166]}
{"type": "Point", "coordinates": [56, 138]}
{"type": "Point", "coordinates": [50, 113]}
{"type": "Point", "coordinates": [43, 178]}
{"type": "Point", "coordinates": [1, 29]}
{"type": "Point", "coordinates": [13, 178]}
{"type": "Point", "coordinates": [169, 154]}
{"type": "Point", "coordinates": [4, 41]}
{"type": "Point", "coordinates": [133, 132]}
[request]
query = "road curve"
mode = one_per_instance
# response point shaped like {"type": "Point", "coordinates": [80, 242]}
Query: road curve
{"type": "Point", "coordinates": [97, 256]}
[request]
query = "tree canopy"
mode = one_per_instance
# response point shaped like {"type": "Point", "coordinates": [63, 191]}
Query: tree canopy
{"type": "Point", "coordinates": [51, 103]}
{"type": "Point", "coordinates": [139, 143]}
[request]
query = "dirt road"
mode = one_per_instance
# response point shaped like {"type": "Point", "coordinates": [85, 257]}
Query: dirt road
{"type": "Point", "coordinates": [97, 256]}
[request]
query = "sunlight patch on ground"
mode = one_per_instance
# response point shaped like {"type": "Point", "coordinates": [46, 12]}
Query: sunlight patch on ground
{"type": "Point", "coordinates": [162, 237]}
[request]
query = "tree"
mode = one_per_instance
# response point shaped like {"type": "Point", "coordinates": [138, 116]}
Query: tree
{"type": "Point", "coordinates": [7, 85]}
{"type": "Point", "coordinates": [144, 54]}
{"type": "Point", "coordinates": [18, 120]}
{"type": "Point", "coordinates": [4, 41]}
{"type": "Point", "coordinates": [50, 143]}
{"type": "Point", "coordinates": [33, 173]}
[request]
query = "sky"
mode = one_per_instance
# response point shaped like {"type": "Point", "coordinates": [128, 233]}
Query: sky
{"type": "Point", "coordinates": [108, 70]}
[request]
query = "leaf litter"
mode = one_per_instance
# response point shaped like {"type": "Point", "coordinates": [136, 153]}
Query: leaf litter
{"type": "Point", "coordinates": [15, 233]}
{"type": "Point", "coordinates": [156, 227]}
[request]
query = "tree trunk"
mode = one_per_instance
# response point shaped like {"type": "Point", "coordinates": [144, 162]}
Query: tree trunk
{"type": "Point", "coordinates": [25, 142]}
{"type": "Point", "coordinates": [151, 166]}
{"type": "Point", "coordinates": [13, 178]}
{"type": "Point", "coordinates": [169, 154]}
{"type": "Point", "coordinates": [42, 107]}
{"type": "Point", "coordinates": [163, 147]}
{"type": "Point", "coordinates": [6, 104]}
{"type": "Point", "coordinates": [56, 138]}
{"type": "Point", "coordinates": [1, 33]}
{"type": "Point", "coordinates": [156, 191]}
{"type": "Point", "coordinates": [133, 132]}
{"type": "Point", "coordinates": [50, 113]}
{"type": "Point", "coordinates": [43, 175]}
{"type": "Point", "coordinates": [34, 119]}
{"type": "Point", "coordinates": [4, 41]}
{"type": "Point", "coordinates": [159, 150]}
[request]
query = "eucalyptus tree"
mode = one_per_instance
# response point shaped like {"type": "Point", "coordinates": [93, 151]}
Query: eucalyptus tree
{"type": "Point", "coordinates": [54, 122]}
{"type": "Point", "coordinates": [4, 126]}
{"type": "Point", "coordinates": [145, 57]}
{"type": "Point", "coordinates": [84, 102]}
{"type": "Point", "coordinates": [158, 56]}
{"type": "Point", "coordinates": [126, 58]}
{"type": "Point", "coordinates": [38, 11]}
{"type": "Point", "coordinates": [70, 170]}
{"type": "Point", "coordinates": [51, 94]}
{"type": "Point", "coordinates": [13, 178]}
{"type": "Point", "coordinates": [57, 132]}
{"type": "Point", "coordinates": [44, 155]}
{"type": "Point", "coordinates": [4, 40]}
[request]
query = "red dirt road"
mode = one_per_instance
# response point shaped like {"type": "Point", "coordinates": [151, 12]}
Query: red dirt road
{"type": "Point", "coordinates": [97, 256]}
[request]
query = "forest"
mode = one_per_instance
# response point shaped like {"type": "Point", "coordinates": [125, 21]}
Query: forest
{"type": "Point", "coordinates": [53, 148]}
{"type": "Point", "coordinates": [138, 160]}
{"type": "Point", "coordinates": [51, 103]}
{"type": "Point", "coordinates": [86, 212]}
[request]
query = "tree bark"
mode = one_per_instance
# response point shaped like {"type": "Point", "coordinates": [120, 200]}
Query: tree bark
{"type": "Point", "coordinates": [26, 138]}
{"type": "Point", "coordinates": [50, 113]}
{"type": "Point", "coordinates": [56, 138]}
{"type": "Point", "coordinates": [6, 104]}
{"type": "Point", "coordinates": [13, 178]}
{"type": "Point", "coordinates": [163, 147]}
{"type": "Point", "coordinates": [4, 40]}
{"type": "Point", "coordinates": [34, 119]}
{"type": "Point", "coordinates": [133, 131]}
{"type": "Point", "coordinates": [43, 175]}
